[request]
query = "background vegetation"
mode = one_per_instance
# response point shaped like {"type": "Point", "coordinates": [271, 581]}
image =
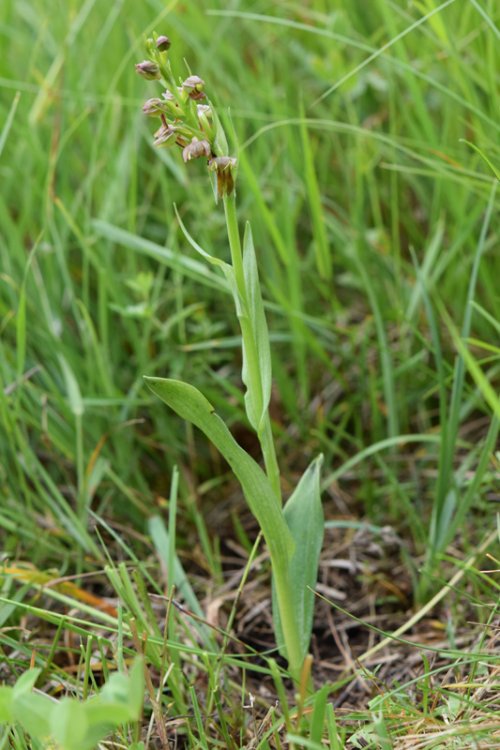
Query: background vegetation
{"type": "Point", "coordinates": [369, 159]}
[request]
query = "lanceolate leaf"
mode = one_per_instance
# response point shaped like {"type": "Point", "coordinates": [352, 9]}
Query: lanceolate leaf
{"type": "Point", "coordinates": [304, 516]}
{"type": "Point", "coordinates": [190, 404]}
{"type": "Point", "coordinates": [258, 325]}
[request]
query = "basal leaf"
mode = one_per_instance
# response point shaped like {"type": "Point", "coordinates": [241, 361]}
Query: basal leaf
{"type": "Point", "coordinates": [303, 514]}
{"type": "Point", "coordinates": [192, 405]}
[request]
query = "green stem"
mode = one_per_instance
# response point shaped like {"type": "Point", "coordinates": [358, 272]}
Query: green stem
{"type": "Point", "coordinates": [280, 565]}
{"type": "Point", "coordinates": [233, 234]}
{"type": "Point", "coordinates": [254, 383]}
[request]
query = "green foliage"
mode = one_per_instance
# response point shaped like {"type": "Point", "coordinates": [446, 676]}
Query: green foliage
{"type": "Point", "coordinates": [192, 406]}
{"type": "Point", "coordinates": [294, 535]}
{"type": "Point", "coordinates": [70, 723]}
{"type": "Point", "coordinates": [303, 514]}
{"type": "Point", "coordinates": [452, 500]}
{"type": "Point", "coordinates": [260, 354]}
{"type": "Point", "coordinates": [367, 201]}
{"type": "Point", "coordinates": [294, 571]}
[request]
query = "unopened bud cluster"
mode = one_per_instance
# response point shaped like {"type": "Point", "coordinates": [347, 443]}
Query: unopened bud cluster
{"type": "Point", "coordinates": [186, 116]}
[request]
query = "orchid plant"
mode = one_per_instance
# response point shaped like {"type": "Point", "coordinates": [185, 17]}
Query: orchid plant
{"type": "Point", "coordinates": [294, 531]}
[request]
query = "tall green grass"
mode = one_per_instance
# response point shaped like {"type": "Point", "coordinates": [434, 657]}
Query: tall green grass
{"type": "Point", "coordinates": [376, 228]}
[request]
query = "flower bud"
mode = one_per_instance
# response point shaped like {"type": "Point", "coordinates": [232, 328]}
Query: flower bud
{"type": "Point", "coordinates": [163, 43]}
{"type": "Point", "coordinates": [148, 69]}
{"type": "Point", "coordinates": [153, 107]}
{"type": "Point", "coordinates": [224, 167]}
{"type": "Point", "coordinates": [194, 86]}
{"type": "Point", "coordinates": [195, 149]}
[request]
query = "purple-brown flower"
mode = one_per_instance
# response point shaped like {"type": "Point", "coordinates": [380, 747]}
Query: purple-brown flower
{"type": "Point", "coordinates": [186, 120]}
{"type": "Point", "coordinates": [165, 136]}
{"type": "Point", "coordinates": [196, 149]}
{"type": "Point", "coordinates": [148, 69]}
{"type": "Point", "coordinates": [224, 167]}
{"type": "Point", "coordinates": [153, 107]}
{"type": "Point", "coordinates": [194, 86]}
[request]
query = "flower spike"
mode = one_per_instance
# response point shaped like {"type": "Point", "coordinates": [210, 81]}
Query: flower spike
{"type": "Point", "coordinates": [185, 122]}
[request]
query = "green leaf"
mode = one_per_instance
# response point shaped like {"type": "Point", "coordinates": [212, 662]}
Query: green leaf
{"type": "Point", "coordinates": [104, 715]}
{"type": "Point", "coordinates": [33, 712]}
{"type": "Point", "coordinates": [26, 682]}
{"type": "Point", "coordinates": [119, 701]}
{"type": "Point", "coordinates": [192, 405]}
{"type": "Point", "coordinates": [116, 688]}
{"type": "Point", "coordinates": [256, 408]}
{"type": "Point", "coordinates": [5, 704]}
{"type": "Point", "coordinates": [304, 516]}
{"type": "Point", "coordinates": [69, 724]}
{"type": "Point", "coordinates": [124, 693]}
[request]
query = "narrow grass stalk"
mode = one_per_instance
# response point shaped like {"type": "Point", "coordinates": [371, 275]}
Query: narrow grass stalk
{"type": "Point", "coordinates": [446, 511]}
